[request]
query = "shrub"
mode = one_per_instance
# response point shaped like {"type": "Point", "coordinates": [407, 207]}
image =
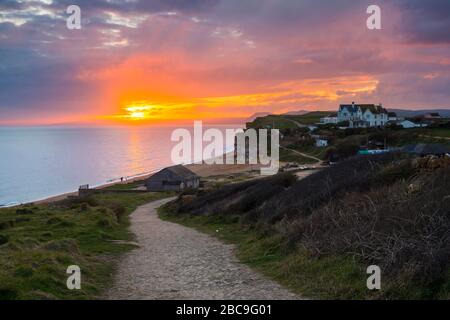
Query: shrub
{"type": "Point", "coordinates": [269, 200]}
{"type": "Point", "coordinates": [3, 239]}
{"type": "Point", "coordinates": [22, 219]}
{"type": "Point", "coordinates": [76, 202]}
{"type": "Point", "coordinates": [8, 293]}
{"type": "Point", "coordinates": [24, 272]}
{"type": "Point", "coordinates": [118, 209]}
{"type": "Point", "coordinates": [238, 196]}
{"type": "Point", "coordinates": [384, 210]}
{"type": "Point", "coordinates": [63, 245]}
{"type": "Point", "coordinates": [6, 225]}
{"type": "Point", "coordinates": [54, 220]}
{"type": "Point", "coordinates": [105, 223]}
{"type": "Point", "coordinates": [47, 234]}
{"type": "Point", "coordinates": [402, 228]}
{"type": "Point", "coordinates": [24, 211]}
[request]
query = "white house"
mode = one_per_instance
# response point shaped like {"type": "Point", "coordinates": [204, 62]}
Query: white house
{"type": "Point", "coordinates": [392, 116]}
{"type": "Point", "coordinates": [320, 142]}
{"type": "Point", "coordinates": [407, 124]}
{"type": "Point", "coordinates": [363, 115]}
{"type": "Point", "coordinates": [330, 119]}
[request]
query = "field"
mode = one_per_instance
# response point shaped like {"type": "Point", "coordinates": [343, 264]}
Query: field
{"type": "Point", "coordinates": [309, 118]}
{"type": "Point", "coordinates": [435, 132]}
{"type": "Point", "coordinates": [39, 242]}
{"type": "Point", "coordinates": [287, 155]}
{"type": "Point", "coordinates": [271, 121]}
{"type": "Point", "coordinates": [287, 121]}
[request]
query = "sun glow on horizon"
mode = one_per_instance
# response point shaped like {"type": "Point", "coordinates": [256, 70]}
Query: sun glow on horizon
{"type": "Point", "coordinates": [137, 112]}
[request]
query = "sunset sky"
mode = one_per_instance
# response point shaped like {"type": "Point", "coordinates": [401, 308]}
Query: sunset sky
{"type": "Point", "coordinates": [166, 60]}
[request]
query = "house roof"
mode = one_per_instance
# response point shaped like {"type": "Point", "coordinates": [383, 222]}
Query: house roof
{"type": "Point", "coordinates": [426, 148]}
{"type": "Point", "coordinates": [407, 120]}
{"type": "Point", "coordinates": [372, 108]}
{"type": "Point", "coordinates": [354, 108]}
{"type": "Point", "coordinates": [351, 108]}
{"type": "Point", "coordinates": [392, 114]}
{"type": "Point", "coordinates": [181, 171]}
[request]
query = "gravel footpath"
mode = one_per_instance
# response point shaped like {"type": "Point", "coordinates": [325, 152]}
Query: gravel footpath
{"type": "Point", "coordinates": [176, 262]}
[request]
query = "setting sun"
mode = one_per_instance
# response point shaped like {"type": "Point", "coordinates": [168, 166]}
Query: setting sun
{"type": "Point", "coordinates": [137, 112]}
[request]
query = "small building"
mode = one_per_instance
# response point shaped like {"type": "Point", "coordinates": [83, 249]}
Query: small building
{"type": "Point", "coordinates": [321, 142]}
{"type": "Point", "coordinates": [175, 178]}
{"type": "Point", "coordinates": [407, 124]}
{"type": "Point", "coordinates": [392, 116]}
{"type": "Point", "coordinates": [330, 119]}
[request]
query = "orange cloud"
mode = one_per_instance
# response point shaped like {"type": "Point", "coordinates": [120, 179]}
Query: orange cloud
{"type": "Point", "coordinates": [155, 88]}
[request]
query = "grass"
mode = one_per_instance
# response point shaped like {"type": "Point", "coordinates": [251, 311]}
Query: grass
{"type": "Point", "coordinates": [270, 121]}
{"type": "Point", "coordinates": [125, 186]}
{"type": "Point", "coordinates": [309, 118]}
{"type": "Point", "coordinates": [318, 152]}
{"type": "Point", "coordinates": [41, 241]}
{"type": "Point", "coordinates": [291, 156]}
{"type": "Point", "coordinates": [287, 121]}
{"type": "Point", "coordinates": [317, 235]}
{"type": "Point", "coordinates": [435, 132]}
{"type": "Point", "coordinates": [310, 277]}
{"type": "Point", "coordinates": [422, 135]}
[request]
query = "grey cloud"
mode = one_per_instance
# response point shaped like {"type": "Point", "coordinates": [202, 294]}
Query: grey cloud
{"type": "Point", "coordinates": [426, 21]}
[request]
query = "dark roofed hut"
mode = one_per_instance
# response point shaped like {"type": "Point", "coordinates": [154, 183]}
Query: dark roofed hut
{"type": "Point", "coordinates": [175, 178]}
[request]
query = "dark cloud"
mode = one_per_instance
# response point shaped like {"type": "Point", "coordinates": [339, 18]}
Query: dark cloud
{"type": "Point", "coordinates": [426, 21]}
{"type": "Point", "coordinates": [141, 6]}
{"type": "Point", "coordinates": [257, 42]}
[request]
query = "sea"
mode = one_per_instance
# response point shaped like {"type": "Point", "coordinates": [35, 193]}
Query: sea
{"type": "Point", "coordinates": [41, 162]}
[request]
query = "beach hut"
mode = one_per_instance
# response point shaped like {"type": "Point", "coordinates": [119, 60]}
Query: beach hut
{"type": "Point", "coordinates": [175, 178]}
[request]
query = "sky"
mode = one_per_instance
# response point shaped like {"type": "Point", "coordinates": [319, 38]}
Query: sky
{"type": "Point", "coordinates": [136, 61]}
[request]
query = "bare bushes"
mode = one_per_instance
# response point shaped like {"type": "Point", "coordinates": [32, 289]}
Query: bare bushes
{"type": "Point", "coordinates": [402, 227]}
{"type": "Point", "coordinates": [238, 198]}
{"type": "Point", "coordinates": [356, 174]}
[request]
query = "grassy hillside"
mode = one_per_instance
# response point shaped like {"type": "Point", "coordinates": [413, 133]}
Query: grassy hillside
{"type": "Point", "coordinates": [268, 122]}
{"type": "Point", "coordinates": [287, 121]}
{"type": "Point", "coordinates": [287, 155]}
{"type": "Point", "coordinates": [434, 132]}
{"type": "Point", "coordinates": [39, 242]}
{"type": "Point", "coordinates": [319, 234]}
{"type": "Point", "coordinates": [309, 118]}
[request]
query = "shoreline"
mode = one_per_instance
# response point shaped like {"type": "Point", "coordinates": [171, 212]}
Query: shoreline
{"type": "Point", "coordinates": [203, 170]}
{"type": "Point", "coordinates": [75, 193]}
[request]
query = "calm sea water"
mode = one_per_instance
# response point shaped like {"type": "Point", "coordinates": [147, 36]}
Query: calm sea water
{"type": "Point", "coordinates": [39, 162]}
